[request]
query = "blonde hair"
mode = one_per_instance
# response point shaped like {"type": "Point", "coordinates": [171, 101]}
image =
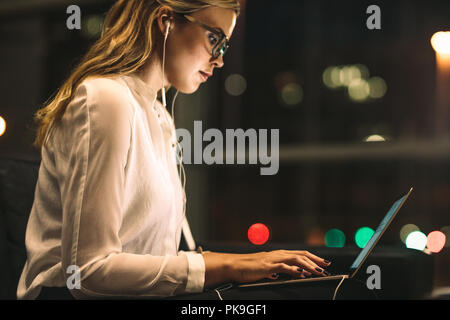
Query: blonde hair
{"type": "Point", "coordinates": [125, 44]}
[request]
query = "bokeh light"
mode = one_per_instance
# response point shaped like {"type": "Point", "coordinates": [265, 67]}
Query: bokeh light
{"type": "Point", "coordinates": [292, 94]}
{"type": "Point", "coordinates": [341, 76]}
{"type": "Point", "coordinates": [358, 90]}
{"type": "Point", "coordinates": [315, 237]}
{"type": "Point", "coordinates": [258, 233]}
{"type": "Point", "coordinates": [436, 241]}
{"type": "Point", "coordinates": [377, 87]}
{"type": "Point", "coordinates": [440, 42]}
{"type": "Point", "coordinates": [446, 230]}
{"type": "Point", "coordinates": [347, 74]}
{"type": "Point", "coordinates": [374, 138]}
{"type": "Point", "coordinates": [92, 27]}
{"type": "Point", "coordinates": [235, 84]}
{"type": "Point", "coordinates": [335, 238]}
{"type": "Point", "coordinates": [416, 240]}
{"type": "Point", "coordinates": [335, 76]}
{"type": "Point", "coordinates": [328, 80]}
{"type": "Point", "coordinates": [363, 235]}
{"type": "Point", "coordinates": [363, 70]}
{"type": "Point", "coordinates": [283, 78]}
{"type": "Point", "coordinates": [406, 230]}
{"type": "Point", "coordinates": [356, 79]}
{"type": "Point", "coordinates": [2, 126]}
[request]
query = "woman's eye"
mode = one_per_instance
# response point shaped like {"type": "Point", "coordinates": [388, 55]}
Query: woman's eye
{"type": "Point", "coordinates": [212, 39]}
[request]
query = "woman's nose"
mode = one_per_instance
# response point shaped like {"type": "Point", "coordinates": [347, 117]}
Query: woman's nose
{"type": "Point", "coordinates": [218, 61]}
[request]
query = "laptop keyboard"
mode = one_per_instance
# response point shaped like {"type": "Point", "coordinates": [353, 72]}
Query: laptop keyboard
{"type": "Point", "coordinates": [284, 276]}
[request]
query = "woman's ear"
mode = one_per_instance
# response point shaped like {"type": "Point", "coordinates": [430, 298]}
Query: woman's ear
{"type": "Point", "coordinates": [165, 24]}
{"type": "Point", "coordinates": [165, 20]}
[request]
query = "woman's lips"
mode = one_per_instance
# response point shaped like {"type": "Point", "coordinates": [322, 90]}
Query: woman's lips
{"type": "Point", "coordinates": [205, 75]}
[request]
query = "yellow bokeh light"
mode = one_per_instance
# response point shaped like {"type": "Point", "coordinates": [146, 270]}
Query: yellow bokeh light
{"type": "Point", "coordinates": [440, 41]}
{"type": "Point", "coordinates": [363, 70]}
{"type": "Point", "coordinates": [358, 90]}
{"type": "Point", "coordinates": [375, 138]}
{"type": "Point", "coordinates": [326, 78]}
{"type": "Point", "coordinates": [343, 75]}
{"type": "Point", "coordinates": [2, 126]}
{"type": "Point", "coordinates": [349, 73]}
{"type": "Point", "coordinates": [336, 76]}
{"type": "Point", "coordinates": [446, 230]}
{"type": "Point", "coordinates": [377, 87]}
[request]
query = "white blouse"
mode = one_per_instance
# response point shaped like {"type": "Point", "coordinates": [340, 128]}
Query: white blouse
{"type": "Point", "coordinates": [108, 201]}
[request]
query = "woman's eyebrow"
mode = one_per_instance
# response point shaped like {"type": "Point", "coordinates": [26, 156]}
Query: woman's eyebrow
{"type": "Point", "coordinates": [218, 29]}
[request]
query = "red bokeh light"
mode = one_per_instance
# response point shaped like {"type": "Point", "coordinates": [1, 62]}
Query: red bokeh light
{"type": "Point", "coordinates": [435, 241]}
{"type": "Point", "coordinates": [258, 233]}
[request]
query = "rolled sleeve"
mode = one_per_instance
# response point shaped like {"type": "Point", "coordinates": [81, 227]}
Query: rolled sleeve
{"type": "Point", "coordinates": [196, 272]}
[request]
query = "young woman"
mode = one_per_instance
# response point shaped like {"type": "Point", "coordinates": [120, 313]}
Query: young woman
{"type": "Point", "coordinates": [109, 204]}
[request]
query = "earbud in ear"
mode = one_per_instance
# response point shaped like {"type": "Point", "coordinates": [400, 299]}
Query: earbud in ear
{"type": "Point", "coordinates": [167, 24]}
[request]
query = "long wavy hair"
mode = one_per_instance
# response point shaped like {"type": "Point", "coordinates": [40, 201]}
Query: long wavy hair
{"type": "Point", "coordinates": [125, 44]}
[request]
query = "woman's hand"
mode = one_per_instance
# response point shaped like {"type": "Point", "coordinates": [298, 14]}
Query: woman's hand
{"type": "Point", "coordinates": [222, 267]}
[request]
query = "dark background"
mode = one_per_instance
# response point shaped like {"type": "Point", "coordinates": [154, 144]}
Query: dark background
{"type": "Point", "coordinates": [328, 177]}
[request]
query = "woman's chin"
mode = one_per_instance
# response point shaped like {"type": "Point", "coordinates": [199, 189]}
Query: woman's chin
{"type": "Point", "coordinates": [189, 89]}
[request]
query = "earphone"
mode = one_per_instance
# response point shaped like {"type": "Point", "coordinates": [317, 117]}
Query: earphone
{"type": "Point", "coordinates": [181, 173]}
{"type": "Point", "coordinates": [167, 24]}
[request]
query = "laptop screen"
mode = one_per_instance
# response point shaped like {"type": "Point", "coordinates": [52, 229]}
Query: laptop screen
{"type": "Point", "coordinates": [378, 233]}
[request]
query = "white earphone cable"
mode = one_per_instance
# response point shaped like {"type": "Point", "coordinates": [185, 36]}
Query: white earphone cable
{"type": "Point", "coordinates": [337, 288]}
{"type": "Point", "coordinates": [163, 65]}
{"type": "Point", "coordinates": [181, 171]}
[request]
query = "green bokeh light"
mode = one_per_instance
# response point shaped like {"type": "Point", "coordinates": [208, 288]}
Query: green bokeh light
{"type": "Point", "coordinates": [363, 235]}
{"type": "Point", "coordinates": [335, 238]}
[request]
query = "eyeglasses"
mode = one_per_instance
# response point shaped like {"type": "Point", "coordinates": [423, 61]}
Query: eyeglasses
{"type": "Point", "coordinates": [219, 40]}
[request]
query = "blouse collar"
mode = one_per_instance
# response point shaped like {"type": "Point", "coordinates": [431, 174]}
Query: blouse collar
{"type": "Point", "coordinates": [140, 87]}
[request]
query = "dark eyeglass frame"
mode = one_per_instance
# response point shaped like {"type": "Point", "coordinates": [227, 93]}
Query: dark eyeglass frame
{"type": "Point", "coordinates": [223, 43]}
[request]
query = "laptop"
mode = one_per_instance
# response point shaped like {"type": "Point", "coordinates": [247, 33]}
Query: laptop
{"type": "Point", "coordinates": [357, 263]}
